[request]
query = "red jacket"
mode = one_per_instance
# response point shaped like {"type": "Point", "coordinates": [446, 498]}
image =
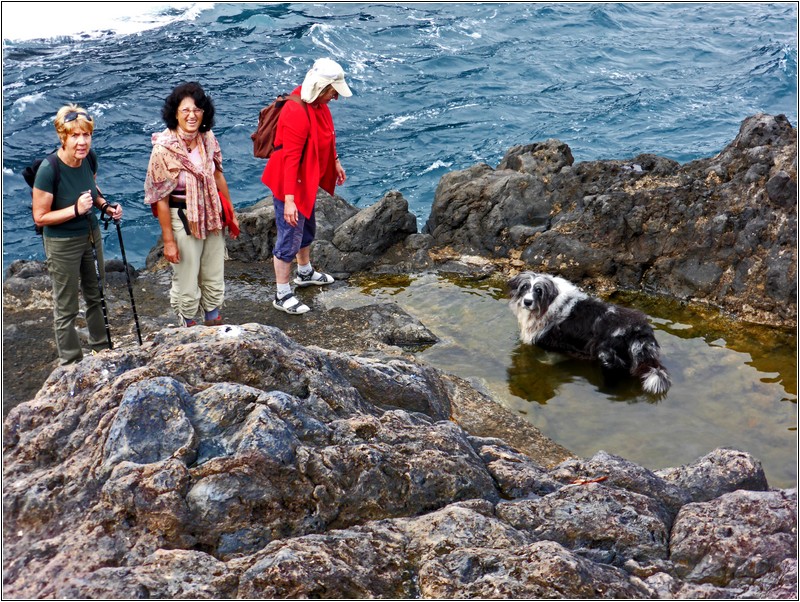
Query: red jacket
{"type": "Point", "coordinates": [300, 134]}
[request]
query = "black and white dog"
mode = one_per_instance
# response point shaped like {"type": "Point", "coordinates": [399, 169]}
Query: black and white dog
{"type": "Point", "coordinates": [557, 316]}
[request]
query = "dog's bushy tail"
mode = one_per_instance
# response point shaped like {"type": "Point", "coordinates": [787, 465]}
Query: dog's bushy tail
{"type": "Point", "coordinates": [647, 366]}
{"type": "Point", "coordinates": [656, 381]}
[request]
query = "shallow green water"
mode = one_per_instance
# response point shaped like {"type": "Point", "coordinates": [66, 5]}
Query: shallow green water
{"type": "Point", "coordinates": [732, 385]}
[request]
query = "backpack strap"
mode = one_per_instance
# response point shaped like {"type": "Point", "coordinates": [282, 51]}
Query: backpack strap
{"type": "Point", "coordinates": [52, 159]}
{"type": "Point", "coordinates": [92, 158]}
{"type": "Point", "coordinates": [299, 101]}
{"type": "Point", "coordinates": [304, 104]}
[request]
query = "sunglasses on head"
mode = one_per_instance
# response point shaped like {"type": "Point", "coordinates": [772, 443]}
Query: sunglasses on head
{"type": "Point", "coordinates": [73, 115]}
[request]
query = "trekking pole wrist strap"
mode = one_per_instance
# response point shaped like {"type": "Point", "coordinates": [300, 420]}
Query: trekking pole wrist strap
{"type": "Point", "coordinates": [105, 217]}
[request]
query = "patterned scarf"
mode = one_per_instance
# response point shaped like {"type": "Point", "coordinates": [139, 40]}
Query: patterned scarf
{"type": "Point", "coordinates": [170, 156]}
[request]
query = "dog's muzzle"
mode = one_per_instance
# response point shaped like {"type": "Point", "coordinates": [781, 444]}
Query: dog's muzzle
{"type": "Point", "coordinates": [533, 300]}
{"type": "Point", "coordinates": [533, 303]}
{"type": "Point", "coordinates": [528, 302]}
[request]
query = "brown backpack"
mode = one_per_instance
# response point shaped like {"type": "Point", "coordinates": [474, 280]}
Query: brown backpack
{"type": "Point", "coordinates": [264, 136]}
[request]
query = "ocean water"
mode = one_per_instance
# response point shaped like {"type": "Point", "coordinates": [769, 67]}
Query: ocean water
{"type": "Point", "coordinates": [437, 87]}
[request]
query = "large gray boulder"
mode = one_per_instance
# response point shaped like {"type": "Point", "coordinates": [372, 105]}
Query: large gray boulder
{"type": "Point", "coordinates": [541, 570]}
{"type": "Point", "coordinates": [347, 240]}
{"type": "Point", "coordinates": [365, 238]}
{"type": "Point", "coordinates": [720, 471]}
{"type": "Point", "coordinates": [720, 542]}
{"type": "Point", "coordinates": [475, 209]}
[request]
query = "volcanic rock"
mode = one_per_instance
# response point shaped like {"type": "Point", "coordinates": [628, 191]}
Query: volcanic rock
{"type": "Point", "coordinates": [233, 462]}
{"type": "Point", "coordinates": [720, 231]}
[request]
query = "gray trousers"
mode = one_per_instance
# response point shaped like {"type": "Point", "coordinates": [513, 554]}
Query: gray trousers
{"type": "Point", "coordinates": [72, 271]}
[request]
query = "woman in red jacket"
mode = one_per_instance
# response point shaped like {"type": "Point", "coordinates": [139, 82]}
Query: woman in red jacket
{"type": "Point", "coordinates": [304, 160]}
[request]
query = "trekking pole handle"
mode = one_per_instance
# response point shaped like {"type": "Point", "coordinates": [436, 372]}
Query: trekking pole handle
{"type": "Point", "coordinates": [105, 217]}
{"type": "Point", "coordinates": [78, 211]}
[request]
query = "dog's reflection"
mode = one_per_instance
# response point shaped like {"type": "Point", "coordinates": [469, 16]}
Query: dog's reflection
{"type": "Point", "coordinates": [537, 375]}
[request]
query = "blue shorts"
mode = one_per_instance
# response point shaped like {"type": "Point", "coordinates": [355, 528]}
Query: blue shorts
{"type": "Point", "coordinates": [291, 240]}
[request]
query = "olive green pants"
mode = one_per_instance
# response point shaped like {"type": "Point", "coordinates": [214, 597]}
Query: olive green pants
{"type": "Point", "coordinates": [72, 271]}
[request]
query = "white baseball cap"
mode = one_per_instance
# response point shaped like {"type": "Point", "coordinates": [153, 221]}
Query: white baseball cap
{"type": "Point", "coordinates": [324, 72]}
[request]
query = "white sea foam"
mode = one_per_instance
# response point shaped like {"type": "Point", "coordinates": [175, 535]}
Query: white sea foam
{"type": "Point", "coordinates": [23, 101]}
{"type": "Point", "coordinates": [99, 108]}
{"type": "Point", "coordinates": [438, 164]}
{"type": "Point", "coordinates": [321, 34]}
{"type": "Point", "coordinates": [398, 121]}
{"type": "Point", "coordinates": [71, 19]}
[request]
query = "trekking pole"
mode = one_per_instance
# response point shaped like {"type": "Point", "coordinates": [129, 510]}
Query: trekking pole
{"type": "Point", "coordinates": [99, 282]}
{"type": "Point", "coordinates": [128, 276]}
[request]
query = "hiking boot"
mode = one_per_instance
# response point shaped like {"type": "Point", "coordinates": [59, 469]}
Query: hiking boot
{"type": "Point", "coordinates": [215, 322]}
{"type": "Point", "coordinates": [314, 278]}
{"type": "Point", "coordinates": [290, 304]}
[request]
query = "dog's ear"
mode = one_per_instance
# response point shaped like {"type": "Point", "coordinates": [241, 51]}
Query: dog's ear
{"type": "Point", "coordinates": [514, 283]}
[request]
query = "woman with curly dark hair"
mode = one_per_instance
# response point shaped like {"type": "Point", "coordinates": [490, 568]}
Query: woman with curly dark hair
{"type": "Point", "coordinates": [184, 186]}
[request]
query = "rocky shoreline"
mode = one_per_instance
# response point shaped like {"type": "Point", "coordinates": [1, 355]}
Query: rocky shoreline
{"type": "Point", "coordinates": [719, 232]}
{"type": "Point", "coordinates": [319, 459]}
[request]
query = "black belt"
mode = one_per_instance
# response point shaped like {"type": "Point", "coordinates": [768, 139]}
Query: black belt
{"type": "Point", "coordinates": [181, 207]}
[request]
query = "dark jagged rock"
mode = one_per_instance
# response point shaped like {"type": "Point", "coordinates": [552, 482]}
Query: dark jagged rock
{"type": "Point", "coordinates": [490, 212]}
{"type": "Point", "coordinates": [720, 231]}
{"type": "Point", "coordinates": [347, 240]}
{"type": "Point", "coordinates": [474, 210]}
{"type": "Point", "coordinates": [365, 238]}
{"type": "Point", "coordinates": [27, 286]}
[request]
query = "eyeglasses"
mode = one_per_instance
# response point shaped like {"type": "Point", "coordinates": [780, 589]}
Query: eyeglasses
{"type": "Point", "coordinates": [73, 115]}
{"type": "Point", "coordinates": [187, 112]}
